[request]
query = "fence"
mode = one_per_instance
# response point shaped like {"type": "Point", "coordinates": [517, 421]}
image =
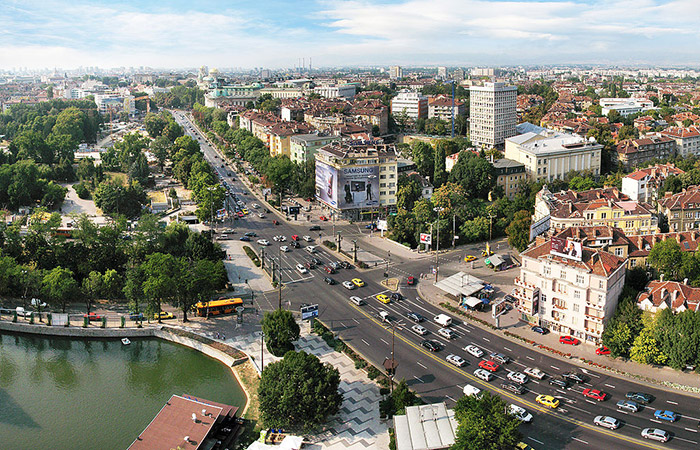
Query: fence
{"type": "Point", "coordinates": [71, 319]}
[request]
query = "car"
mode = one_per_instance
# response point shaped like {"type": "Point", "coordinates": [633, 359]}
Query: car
{"type": "Point", "coordinates": [307, 238]}
{"type": "Point", "coordinates": [244, 239]}
{"type": "Point", "coordinates": [569, 340]}
{"type": "Point", "coordinates": [483, 374]}
{"type": "Point", "coordinates": [456, 360]}
{"type": "Point", "coordinates": [276, 222]}
{"type": "Point", "coordinates": [470, 390]}
{"type": "Point", "coordinates": [517, 377]}
{"type": "Point", "coordinates": [411, 281]}
{"type": "Point", "coordinates": [312, 249]}
{"type": "Point", "coordinates": [164, 315]}
{"type": "Point", "coordinates": [264, 242]}
{"type": "Point", "coordinates": [469, 258]}
{"type": "Point", "coordinates": [229, 231]}
{"type": "Point", "coordinates": [357, 300]}
{"type": "Point", "coordinates": [348, 285]}
{"type": "Point", "coordinates": [334, 264]}
{"type": "Point", "coordinates": [415, 317]}
{"type": "Point", "coordinates": [245, 211]}
{"type": "Point", "coordinates": [433, 346]}
{"type": "Point", "coordinates": [573, 376]}
{"type": "Point", "coordinates": [330, 281]}
{"type": "Point", "coordinates": [329, 269]}
{"type": "Point", "coordinates": [135, 316]}
{"type": "Point", "coordinates": [301, 268]}
{"type": "Point", "coordinates": [488, 365]}
{"type": "Point", "coordinates": [314, 228]}
{"type": "Point", "coordinates": [561, 383]}
{"type": "Point", "coordinates": [547, 400]}
{"type": "Point", "coordinates": [396, 296]}
{"type": "Point", "coordinates": [419, 330]}
{"type": "Point", "coordinates": [655, 434]}
{"type": "Point", "coordinates": [251, 234]}
{"type": "Point", "coordinates": [513, 387]}
{"type": "Point", "coordinates": [595, 394]}
{"type": "Point", "coordinates": [668, 416]}
{"type": "Point", "coordinates": [284, 248]}
{"type": "Point", "coordinates": [447, 333]}
{"type": "Point", "coordinates": [358, 282]}
{"type": "Point", "coordinates": [383, 298]}
{"type": "Point", "coordinates": [474, 350]}
{"type": "Point", "coordinates": [500, 358]}
{"type": "Point", "coordinates": [295, 244]}
{"type": "Point", "coordinates": [639, 397]}
{"type": "Point", "coordinates": [261, 215]}
{"type": "Point", "coordinates": [92, 316]}
{"type": "Point", "coordinates": [602, 350]}
{"type": "Point", "coordinates": [316, 261]}
{"type": "Point", "coordinates": [510, 299]}
{"type": "Point", "coordinates": [540, 330]}
{"type": "Point", "coordinates": [520, 413]}
{"type": "Point", "coordinates": [608, 422]}
{"type": "Point", "coordinates": [535, 373]}
{"type": "Point", "coordinates": [628, 405]}
{"type": "Point", "coordinates": [256, 206]}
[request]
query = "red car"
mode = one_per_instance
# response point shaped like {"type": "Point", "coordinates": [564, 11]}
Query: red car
{"type": "Point", "coordinates": [411, 281]}
{"type": "Point", "coordinates": [569, 340]}
{"type": "Point", "coordinates": [594, 394]}
{"type": "Point", "coordinates": [92, 316]}
{"type": "Point", "coordinates": [324, 218]}
{"type": "Point", "coordinates": [329, 269]}
{"type": "Point", "coordinates": [488, 365]}
{"type": "Point", "coordinates": [602, 350]}
{"type": "Point", "coordinates": [295, 237]}
{"type": "Point", "coordinates": [275, 222]}
{"type": "Point", "coordinates": [240, 214]}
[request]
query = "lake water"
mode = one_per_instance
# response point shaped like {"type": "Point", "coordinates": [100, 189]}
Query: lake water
{"type": "Point", "coordinates": [58, 393]}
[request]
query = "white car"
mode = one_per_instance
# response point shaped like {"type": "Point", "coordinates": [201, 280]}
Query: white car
{"type": "Point", "coordinates": [655, 434]}
{"type": "Point", "coordinates": [447, 333]}
{"type": "Point", "coordinates": [301, 268]}
{"type": "Point", "coordinates": [456, 360]}
{"type": "Point", "coordinates": [256, 206]}
{"type": "Point", "coordinates": [261, 215]}
{"type": "Point", "coordinates": [307, 238]}
{"type": "Point", "coordinates": [276, 238]}
{"type": "Point", "coordinates": [282, 238]}
{"type": "Point", "coordinates": [535, 373]}
{"type": "Point", "coordinates": [471, 390]}
{"type": "Point", "coordinates": [520, 413]}
{"type": "Point", "coordinates": [517, 377]}
{"type": "Point", "coordinates": [419, 330]}
{"type": "Point", "coordinates": [474, 351]}
{"type": "Point", "coordinates": [284, 248]}
{"type": "Point", "coordinates": [483, 374]}
{"type": "Point", "coordinates": [263, 242]}
{"type": "Point", "coordinates": [607, 422]}
{"type": "Point", "coordinates": [348, 285]}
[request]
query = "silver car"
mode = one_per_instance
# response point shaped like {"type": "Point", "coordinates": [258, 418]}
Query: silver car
{"type": "Point", "coordinates": [419, 330]}
{"type": "Point", "coordinates": [483, 374]}
{"type": "Point", "coordinates": [655, 434]}
{"type": "Point", "coordinates": [456, 360]}
{"type": "Point", "coordinates": [628, 405]}
{"type": "Point", "coordinates": [607, 422]}
{"type": "Point", "coordinates": [474, 351]}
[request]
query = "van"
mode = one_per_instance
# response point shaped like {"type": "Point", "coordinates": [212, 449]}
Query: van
{"type": "Point", "coordinates": [443, 319]}
{"type": "Point", "coordinates": [357, 300]}
{"type": "Point", "coordinates": [311, 248]}
{"type": "Point", "coordinates": [384, 316]}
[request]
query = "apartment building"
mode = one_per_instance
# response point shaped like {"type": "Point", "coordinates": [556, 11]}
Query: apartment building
{"type": "Point", "coordinates": [570, 293]}
{"type": "Point", "coordinates": [634, 152]}
{"type": "Point", "coordinates": [279, 136]}
{"type": "Point", "coordinates": [682, 210]}
{"type": "Point", "coordinates": [687, 140]}
{"type": "Point", "coordinates": [643, 185]}
{"type": "Point", "coordinates": [509, 175]}
{"type": "Point", "coordinates": [492, 114]}
{"type": "Point", "coordinates": [412, 103]}
{"type": "Point", "coordinates": [395, 72]}
{"type": "Point", "coordinates": [303, 147]}
{"type": "Point", "coordinates": [441, 108]}
{"type": "Point", "coordinates": [346, 91]}
{"type": "Point", "coordinates": [659, 295]}
{"type": "Point", "coordinates": [625, 106]}
{"type": "Point", "coordinates": [550, 154]}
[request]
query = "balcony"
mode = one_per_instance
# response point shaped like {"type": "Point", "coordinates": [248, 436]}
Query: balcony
{"type": "Point", "coordinates": [523, 284]}
{"type": "Point", "coordinates": [558, 306]}
{"type": "Point", "coordinates": [595, 319]}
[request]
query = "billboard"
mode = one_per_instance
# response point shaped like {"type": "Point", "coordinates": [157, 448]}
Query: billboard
{"type": "Point", "coordinates": [426, 238]}
{"type": "Point", "coordinates": [347, 187]}
{"type": "Point", "coordinates": [566, 248]}
{"type": "Point", "coordinates": [309, 311]}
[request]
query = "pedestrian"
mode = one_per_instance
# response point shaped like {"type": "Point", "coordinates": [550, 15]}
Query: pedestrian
{"type": "Point", "coordinates": [224, 337]}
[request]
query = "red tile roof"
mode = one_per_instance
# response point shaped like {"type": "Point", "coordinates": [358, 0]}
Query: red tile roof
{"type": "Point", "coordinates": [675, 295]}
{"type": "Point", "coordinates": [598, 262]}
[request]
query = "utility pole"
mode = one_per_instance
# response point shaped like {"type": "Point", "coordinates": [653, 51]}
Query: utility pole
{"type": "Point", "coordinates": [279, 281]}
{"type": "Point", "coordinates": [437, 251]}
{"type": "Point", "coordinates": [354, 251]}
{"type": "Point", "coordinates": [454, 220]}
{"type": "Point", "coordinates": [262, 350]}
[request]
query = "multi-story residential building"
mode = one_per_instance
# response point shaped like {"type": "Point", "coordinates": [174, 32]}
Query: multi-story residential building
{"type": "Point", "coordinates": [659, 295]}
{"type": "Point", "coordinates": [549, 154]}
{"type": "Point", "coordinates": [346, 91]}
{"type": "Point", "coordinates": [372, 113]}
{"type": "Point", "coordinates": [303, 147]}
{"type": "Point", "coordinates": [395, 72]}
{"type": "Point", "coordinates": [509, 175]}
{"type": "Point", "coordinates": [442, 73]}
{"type": "Point", "coordinates": [643, 185]}
{"type": "Point", "coordinates": [492, 114]}
{"type": "Point", "coordinates": [604, 207]}
{"type": "Point", "coordinates": [279, 136]}
{"type": "Point", "coordinates": [634, 152]}
{"type": "Point", "coordinates": [573, 293]}
{"type": "Point", "coordinates": [234, 95]}
{"type": "Point", "coordinates": [625, 106]}
{"type": "Point", "coordinates": [356, 181]}
{"type": "Point", "coordinates": [413, 104]}
{"type": "Point", "coordinates": [682, 210]}
{"type": "Point", "coordinates": [687, 140]}
{"type": "Point", "coordinates": [441, 108]}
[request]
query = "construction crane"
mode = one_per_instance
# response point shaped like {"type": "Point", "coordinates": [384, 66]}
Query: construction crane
{"type": "Point", "coordinates": [148, 102]}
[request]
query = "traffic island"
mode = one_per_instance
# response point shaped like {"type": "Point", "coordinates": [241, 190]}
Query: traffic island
{"type": "Point", "coordinates": [391, 284]}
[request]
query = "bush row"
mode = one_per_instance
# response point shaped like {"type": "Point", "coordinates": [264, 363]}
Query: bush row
{"type": "Point", "coordinates": [251, 254]}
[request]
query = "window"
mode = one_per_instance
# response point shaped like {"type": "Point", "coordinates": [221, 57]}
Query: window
{"type": "Point", "coordinates": [600, 299]}
{"type": "Point", "coordinates": [575, 307]}
{"type": "Point", "coordinates": [382, 177]}
{"type": "Point", "coordinates": [392, 176]}
{"type": "Point", "coordinates": [579, 279]}
{"type": "Point", "coordinates": [547, 270]}
{"type": "Point", "coordinates": [543, 310]}
{"type": "Point", "coordinates": [562, 274]}
{"type": "Point", "coordinates": [577, 294]}
{"type": "Point", "coordinates": [618, 252]}
{"type": "Point", "coordinates": [603, 215]}
{"type": "Point", "coordinates": [601, 284]}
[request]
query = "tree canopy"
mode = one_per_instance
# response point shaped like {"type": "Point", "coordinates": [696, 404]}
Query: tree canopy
{"type": "Point", "coordinates": [484, 423]}
{"type": "Point", "coordinates": [280, 331]}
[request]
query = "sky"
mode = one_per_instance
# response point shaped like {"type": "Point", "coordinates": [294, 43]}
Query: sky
{"type": "Point", "coordinates": [277, 34]}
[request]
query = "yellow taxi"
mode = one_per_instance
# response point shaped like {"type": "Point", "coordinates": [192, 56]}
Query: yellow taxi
{"type": "Point", "coordinates": [547, 400]}
{"type": "Point", "coordinates": [383, 298]}
{"type": "Point", "coordinates": [469, 258]}
{"type": "Point", "coordinates": [523, 446]}
{"type": "Point", "coordinates": [357, 282]}
{"type": "Point", "coordinates": [164, 315]}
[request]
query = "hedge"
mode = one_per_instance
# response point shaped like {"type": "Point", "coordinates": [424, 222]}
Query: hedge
{"type": "Point", "coordinates": [251, 254]}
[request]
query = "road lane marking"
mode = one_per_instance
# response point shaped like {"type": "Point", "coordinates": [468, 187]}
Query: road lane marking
{"type": "Point", "coordinates": [384, 341]}
{"type": "Point", "coordinates": [690, 429]}
{"type": "Point", "coordinates": [418, 362]}
{"type": "Point", "coordinates": [535, 440]}
{"type": "Point", "coordinates": [656, 421]}
{"type": "Point", "coordinates": [686, 440]}
{"type": "Point", "coordinates": [580, 440]}
{"type": "Point", "coordinates": [418, 379]}
{"type": "Point", "coordinates": [507, 349]}
{"type": "Point", "coordinates": [451, 398]}
{"type": "Point", "coordinates": [365, 342]}
{"type": "Point", "coordinates": [530, 358]}
{"type": "Point", "coordinates": [486, 339]}
{"type": "Point", "coordinates": [610, 386]}
{"type": "Point", "coordinates": [591, 402]}
{"type": "Point", "coordinates": [356, 321]}
{"type": "Point", "coordinates": [555, 367]}
{"type": "Point", "coordinates": [673, 403]}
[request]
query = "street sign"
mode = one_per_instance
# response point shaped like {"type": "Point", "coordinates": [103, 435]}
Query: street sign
{"type": "Point", "coordinates": [498, 309]}
{"type": "Point", "coordinates": [382, 225]}
{"type": "Point", "coordinates": [426, 238]}
{"type": "Point", "coordinates": [309, 311]}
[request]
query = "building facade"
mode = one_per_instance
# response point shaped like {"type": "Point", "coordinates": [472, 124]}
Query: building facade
{"type": "Point", "coordinates": [643, 185]}
{"type": "Point", "coordinates": [509, 175]}
{"type": "Point", "coordinates": [441, 108]}
{"type": "Point", "coordinates": [687, 140]}
{"type": "Point", "coordinates": [682, 210]}
{"type": "Point", "coordinates": [395, 72]}
{"type": "Point", "coordinates": [346, 91]}
{"type": "Point", "coordinates": [625, 106]}
{"type": "Point", "coordinates": [492, 114]}
{"type": "Point", "coordinates": [303, 147]}
{"type": "Point", "coordinates": [412, 103]}
{"type": "Point", "coordinates": [634, 152]}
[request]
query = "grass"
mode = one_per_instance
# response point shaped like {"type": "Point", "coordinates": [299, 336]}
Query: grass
{"type": "Point", "coordinates": [117, 177]}
{"type": "Point", "coordinates": [157, 196]}
{"type": "Point", "coordinates": [250, 380]}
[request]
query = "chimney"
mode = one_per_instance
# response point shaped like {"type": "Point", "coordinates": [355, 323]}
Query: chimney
{"type": "Point", "coordinates": [685, 281]}
{"type": "Point", "coordinates": [661, 278]}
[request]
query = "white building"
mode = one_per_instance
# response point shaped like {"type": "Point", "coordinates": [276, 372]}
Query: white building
{"type": "Point", "coordinates": [395, 72]}
{"type": "Point", "coordinates": [550, 154]}
{"type": "Point", "coordinates": [687, 140]}
{"type": "Point", "coordinates": [643, 185]}
{"type": "Point", "coordinates": [414, 104]}
{"type": "Point", "coordinates": [625, 106]}
{"type": "Point", "coordinates": [442, 73]}
{"type": "Point", "coordinates": [570, 295]}
{"type": "Point", "coordinates": [492, 114]}
{"type": "Point", "coordinates": [303, 147]}
{"type": "Point", "coordinates": [346, 91]}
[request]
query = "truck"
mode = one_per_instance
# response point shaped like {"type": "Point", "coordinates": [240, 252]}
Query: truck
{"type": "Point", "coordinates": [443, 319]}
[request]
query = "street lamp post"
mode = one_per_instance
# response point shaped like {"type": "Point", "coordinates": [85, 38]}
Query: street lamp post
{"type": "Point", "coordinates": [437, 244]}
{"type": "Point", "coordinates": [354, 251]}
{"type": "Point", "coordinates": [279, 280]}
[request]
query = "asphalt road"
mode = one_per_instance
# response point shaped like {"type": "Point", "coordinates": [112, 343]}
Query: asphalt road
{"type": "Point", "coordinates": [570, 426]}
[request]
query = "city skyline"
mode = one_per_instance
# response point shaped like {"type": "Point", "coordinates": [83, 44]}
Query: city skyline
{"type": "Point", "coordinates": [277, 34]}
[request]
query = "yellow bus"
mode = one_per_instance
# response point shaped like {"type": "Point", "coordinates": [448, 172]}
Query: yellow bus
{"type": "Point", "coordinates": [216, 307]}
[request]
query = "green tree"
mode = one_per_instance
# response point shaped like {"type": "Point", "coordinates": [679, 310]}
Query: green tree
{"type": "Point", "coordinates": [280, 331]}
{"type": "Point", "coordinates": [439, 173]}
{"type": "Point", "coordinates": [474, 174]}
{"type": "Point", "coordinates": [160, 280]}
{"type": "Point", "coordinates": [623, 327]}
{"type": "Point", "coordinates": [614, 116]}
{"type": "Point", "coordinates": [154, 124]}
{"type": "Point", "coordinates": [59, 287]}
{"type": "Point", "coordinates": [666, 257]}
{"type": "Point", "coordinates": [92, 288]}
{"type": "Point", "coordinates": [519, 230]}
{"type": "Point", "coordinates": [483, 423]}
{"type": "Point", "coordinates": [646, 349]}
{"type": "Point", "coordinates": [71, 121]}
{"type": "Point", "coordinates": [160, 147]}
{"type": "Point", "coordinates": [298, 392]}
{"type": "Point", "coordinates": [403, 227]}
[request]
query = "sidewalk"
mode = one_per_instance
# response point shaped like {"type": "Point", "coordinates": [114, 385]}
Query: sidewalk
{"type": "Point", "coordinates": [664, 377]}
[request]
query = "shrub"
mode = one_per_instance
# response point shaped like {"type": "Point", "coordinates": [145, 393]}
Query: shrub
{"type": "Point", "coordinates": [373, 372]}
{"type": "Point", "coordinates": [330, 245]}
{"type": "Point", "coordinates": [82, 191]}
{"type": "Point", "coordinates": [251, 254]}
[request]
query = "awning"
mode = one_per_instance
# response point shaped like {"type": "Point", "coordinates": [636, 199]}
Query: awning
{"type": "Point", "coordinates": [472, 302]}
{"type": "Point", "coordinates": [496, 260]}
